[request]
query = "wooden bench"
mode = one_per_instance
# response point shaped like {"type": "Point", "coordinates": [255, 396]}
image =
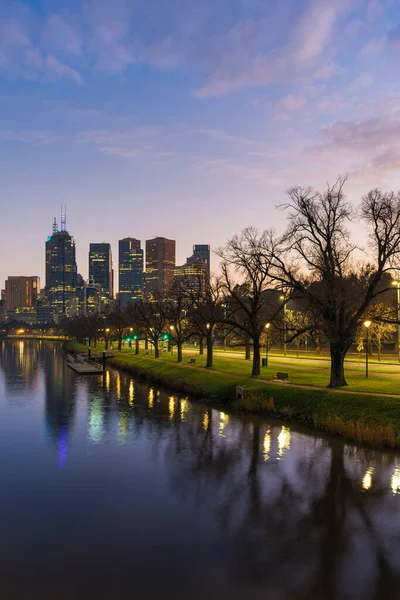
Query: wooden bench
{"type": "Point", "coordinates": [282, 376]}
{"type": "Point", "coordinates": [191, 361]}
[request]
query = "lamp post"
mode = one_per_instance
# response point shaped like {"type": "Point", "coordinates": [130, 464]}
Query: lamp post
{"type": "Point", "coordinates": [284, 324]}
{"type": "Point", "coordinates": [171, 348]}
{"type": "Point", "coordinates": [397, 285]}
{"type": "Point", "coordinates": [267, 326]}
{"type": "Point", "coordinates": [130, 337]}
{"type": "Point", "coordinates": [367, 325]}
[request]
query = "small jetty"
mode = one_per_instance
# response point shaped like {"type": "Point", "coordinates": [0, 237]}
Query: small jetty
{"type": "Point", "coordinates": [82, 366]}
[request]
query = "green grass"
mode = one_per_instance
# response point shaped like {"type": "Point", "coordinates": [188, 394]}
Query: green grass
{"type": "Point", "coordinates": [368, 419]}
{"type": "Point", "coordinates": [383, 377]}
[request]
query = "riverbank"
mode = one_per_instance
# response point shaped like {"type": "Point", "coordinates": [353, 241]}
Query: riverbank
{"type": "Point", "coordinates": [368, 419]}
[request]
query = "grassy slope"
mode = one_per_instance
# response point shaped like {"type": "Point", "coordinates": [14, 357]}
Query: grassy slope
{"type": "Point", "coordinates": [368, 419]}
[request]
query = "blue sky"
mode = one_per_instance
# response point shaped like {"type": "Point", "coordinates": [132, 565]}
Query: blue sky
{"type": "Point", "coordinates": [187, 119]}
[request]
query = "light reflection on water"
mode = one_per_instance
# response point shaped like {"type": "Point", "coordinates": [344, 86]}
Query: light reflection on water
{"type": "Point", "coordinates": [105, 477]}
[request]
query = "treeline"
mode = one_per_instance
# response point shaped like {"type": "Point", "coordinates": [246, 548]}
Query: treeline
{"type": "Point", "coordinates": [333, 285]}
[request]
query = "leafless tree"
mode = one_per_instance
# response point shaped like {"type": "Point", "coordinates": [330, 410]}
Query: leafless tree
{"type": "Point", "coordinates": [246, 275]}
{"type": "Point", "coordinates": [206, 311]}
{"type": "Point", "coordinates": [116, 318]}
{"type": "Point", "coordinates": [153, 321]}
{"type": "Point", "coordinates": [180, 328]}
{"type": "Point", "coordinates": [317, 260]}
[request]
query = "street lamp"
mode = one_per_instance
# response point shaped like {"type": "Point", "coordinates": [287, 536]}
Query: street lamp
{"type": "Point", "coordinates": [284, 324]}
{"type": "Point", "coordinates": [367, 325]}
{"type": "Point", "coordinates": [267, 326]}
{"type": "Point", "coordinates": [397, 285]}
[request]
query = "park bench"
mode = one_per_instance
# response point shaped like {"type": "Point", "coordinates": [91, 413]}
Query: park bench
{"type": "Point", "coordinates": [282, 376]}
{"type": "Point", "coordinates": [191, 361]}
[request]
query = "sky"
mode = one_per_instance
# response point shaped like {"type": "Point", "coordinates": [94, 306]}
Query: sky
{"type": "Point", "coordinates": [187, 119]}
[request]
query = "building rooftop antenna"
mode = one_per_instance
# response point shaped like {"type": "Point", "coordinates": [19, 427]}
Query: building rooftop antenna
{"type": "Point", "coordinates": [63, 217]}
{"type": "Point", "coordinates": [55, 226]}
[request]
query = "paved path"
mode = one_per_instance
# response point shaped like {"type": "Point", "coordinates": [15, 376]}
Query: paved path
{"type": "Point", "coordinates": [296, 385]}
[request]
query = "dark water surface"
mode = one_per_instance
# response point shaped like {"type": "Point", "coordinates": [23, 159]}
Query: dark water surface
{"type": "Point", "coordinates": [112, 488]}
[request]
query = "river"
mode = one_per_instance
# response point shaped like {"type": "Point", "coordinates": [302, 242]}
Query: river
{"type": "Point", "coordinates": [114, 488]}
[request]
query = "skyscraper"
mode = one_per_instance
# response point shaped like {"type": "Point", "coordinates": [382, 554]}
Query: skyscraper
{"type": "Point", "coordinates": [160, 264]}
{"type": "Point", "coordinates": [101, 269]}
{"type": "Point", "coordinates": [130, 270]}
{"type": "Point", "coordinates": [61, 268]}
{"type": "Point", "coordinates": [21, 292]}
{"type": "Point", "coordinates": [201, 254]}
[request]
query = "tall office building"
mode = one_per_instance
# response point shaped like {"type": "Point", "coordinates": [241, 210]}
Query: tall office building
{"type": "Point", "coordinates": [61, 268]}
{"type": "Point", "coordinates": [21, 292]}
{"type": "Point", "coordinates": [160, 264]}
{"type": "Point", "coordinates": [201, 254]}
{"type": "Point", "coordinates": [101, 268]}
{"type": "Point", "coordinates": [130, 270]}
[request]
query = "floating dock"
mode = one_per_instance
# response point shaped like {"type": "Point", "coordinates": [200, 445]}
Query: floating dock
{"type": "Point", "coordinates": [81, 366]}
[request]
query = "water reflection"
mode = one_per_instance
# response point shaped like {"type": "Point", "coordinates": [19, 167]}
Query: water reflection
{"type": "Point", "coordinates": [60, 400]}
{"type": "Point", "coordinates": [158, 479]}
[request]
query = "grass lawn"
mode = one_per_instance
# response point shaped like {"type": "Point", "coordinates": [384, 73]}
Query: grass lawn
{"type": "Point", "coordinates": [368, 419]}
{"type": "Point", "coordinates": [383, 377]}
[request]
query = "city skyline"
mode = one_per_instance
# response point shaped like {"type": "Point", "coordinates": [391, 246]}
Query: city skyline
{"type": "Point", "coordinates": [190, 125]}
{"type": "Point", "coordinates": [94, 248]}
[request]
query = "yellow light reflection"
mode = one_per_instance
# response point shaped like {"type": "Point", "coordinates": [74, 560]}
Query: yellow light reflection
{"type": "Point", "coordinates": [131, 392]}
{"type": "Point", "coordinates": [367, 479]}
{"type": "Point", "coordinates": [284, 441]}
{"type": "Point", "coordinates": [267, 444]}
{"type": "Point", "coordinates": [123, 428]}
{"type": "Point", "coordinates": [223, 422]}
{"type": "Point", "coordinates": [206, 421]}
{"type": "Point", "coordinates": [118, 386]}
{"type": "Point", "coordinates": [395, 481]}
{"type": "Point", "coordinates": [96, 421]}
{"type": "Point", "coordinates": [108, 381]}
{"type": "Point", "coordinates": [184, 405]}
{"type": "Point", "coordinates": [151, 398]}
{"type": "Point", "coordinates": [21, 351]}
{"type": "Point", "coordinates": [171, 407]}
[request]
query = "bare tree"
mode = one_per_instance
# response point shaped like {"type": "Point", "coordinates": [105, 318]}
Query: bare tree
{"type": "Point", "coordinates": [153, 321]}
{"type": "Point", "coordinates": [116, 317]}
{"type": "Point", "coordinates": [248, 300]}
{"type": "Point", "coordinates": [180, 328]}
{"type": "Point", "coordinates": [316, 260]}
{"type": "Point", "coordinates": [206, 311]}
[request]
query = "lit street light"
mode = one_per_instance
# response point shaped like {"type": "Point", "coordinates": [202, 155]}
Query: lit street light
{"type": "Point", "coordinates": [267, 326]}
{"type": "Point", "coordinates": [397, 285]}
{"type": "Point", "coordinates": [367, 325]}
{"type": "Point", "coordinates": [284, 324]}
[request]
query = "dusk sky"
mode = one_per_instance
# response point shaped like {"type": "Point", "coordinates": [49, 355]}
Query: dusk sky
{"type": "Point", "coordinates": [187, 118]}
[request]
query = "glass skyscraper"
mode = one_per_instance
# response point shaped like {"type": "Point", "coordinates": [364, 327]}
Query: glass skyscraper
{"type": "Point", "coordinates": [130, 270]}
{"type": "Point", "coordinates": [100, 268]}
{"type": "Point", "coordinates": [201, 255]}
{"type": "Point", "coordinates": [61, 270]}
{"type": "Point", "coordinates": [160, 265]}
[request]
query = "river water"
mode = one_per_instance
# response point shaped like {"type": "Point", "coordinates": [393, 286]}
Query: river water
{"type": "Point", "coordinates": [113, 488]}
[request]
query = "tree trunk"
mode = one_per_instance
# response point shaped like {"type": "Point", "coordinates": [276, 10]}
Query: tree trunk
{"type": "Point", "coordinates": [338, 353]}
{"type": "Point", "coordinates": [156, 350]}
{"type": "Point", "coordinates": [120, 343]}
{"type": "Point", "coordinates": [179, 344]}
{"type": "Point", "coordinates": [106, 344]}
{"type": "Point", "coordinates": [137, 347]}
{"type": "Point", "coordinates": [247, 351]}
{"type": "Point", "coordinates": [209, 364]}
{"type": "Point", "coordinates": [95, 342]}
{"type": "Point", "coordinates": [201, 346]}
{"type": "Point", "coordinates": [256, 357]}
{"type": "Point", "coordinates": [379, 352]}
{"type": "Point", "coordinates": [297, 346]}
{"type": "Point", "coordinates": [90, 342]}
{"type": "Point", "coordinates": [146, 344]}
